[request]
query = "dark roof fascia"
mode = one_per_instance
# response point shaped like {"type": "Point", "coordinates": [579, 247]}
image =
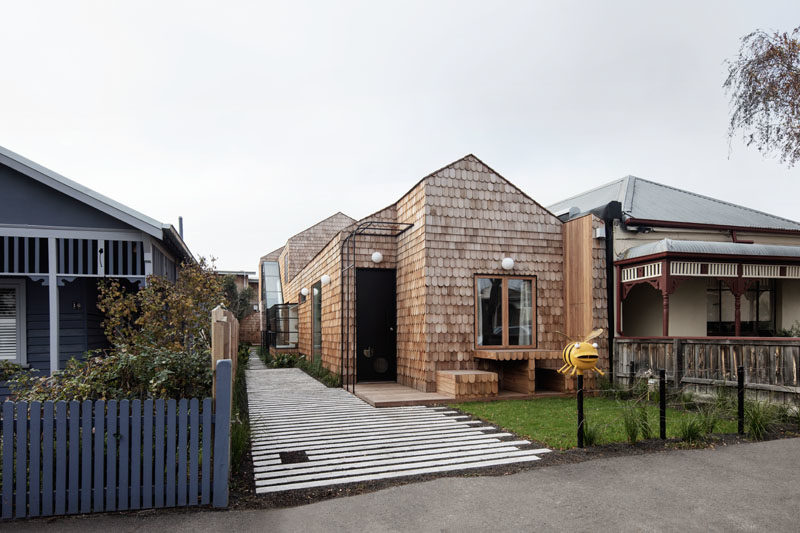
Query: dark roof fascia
{"type": "Point", "coordinates": [173, 239]}
{"type": "Point", "coordinates": [754, 259]}
{"type": "Point", "coordinates": [693, 225]}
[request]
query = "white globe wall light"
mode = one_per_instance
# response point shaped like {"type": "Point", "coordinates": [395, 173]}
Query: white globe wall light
{"type": "Point", "coordinates": [507, 263]}
{"type": "Point", "coordinates": [377, 257]}
{"type": "Point", "coordinates": [304, 291]}
{"type": "Point", "coordinates": [325, 279]}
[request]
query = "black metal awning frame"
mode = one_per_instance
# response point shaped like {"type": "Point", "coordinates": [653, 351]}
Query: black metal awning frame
{"type": "Point", "coordinates": [370, 228]}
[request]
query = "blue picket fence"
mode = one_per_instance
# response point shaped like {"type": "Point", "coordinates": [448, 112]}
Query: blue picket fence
{"type": "Point", "coordinates": [62, 458]}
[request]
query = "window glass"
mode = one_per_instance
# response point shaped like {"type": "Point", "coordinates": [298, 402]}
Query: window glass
{"type": "Point", "coordinates": [712, 305]}
{"type": "Point", "coordinates": [520, 312]}
{"type": "Point", "coordinates": [747, 305]}
{"type": "Point", "coordinates": [490, 311]}
{"type": "Point", "coordinates": [316, 321]}
{"type": "Point", "coordinates": [8, 323]}
{"type": "Point", "coordinates": [271, 284]}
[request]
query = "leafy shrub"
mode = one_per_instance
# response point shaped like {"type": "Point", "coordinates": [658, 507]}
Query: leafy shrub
{"type": "Point", "coordinates": [759, 418]}
{"type": "Point", "coordinates": [284, 360]}
{"type": "Point", "coordinates": [606, 387]}
{"type": "Point", "coordinates": [687, 400]}
{"type": "Point", "coordinates": [126, 372]}
{"type": "Point", "coordinates": [793, 331]}
{"type": "Point", "coordinates": [9, 370]}
{"type": "Point", "coordinates": [784, 413]}
{"type": "Point", "coordinates": [690, 429]}
{"type": "Point", "coordinates": [240, 419]}
{"type": "Point", "coordinates": [170, 315]}
{"type": "Point", "coordinates": [238, 300]}
{"type": "Point", "coordinates": [630, 423]}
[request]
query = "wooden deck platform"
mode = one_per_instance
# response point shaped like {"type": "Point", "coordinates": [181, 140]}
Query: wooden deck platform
{"type": "Point", "coordinates": [389, 394]}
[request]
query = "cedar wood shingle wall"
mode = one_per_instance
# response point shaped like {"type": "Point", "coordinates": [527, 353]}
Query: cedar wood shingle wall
{"type": "Point", "coordinates": [466, 219]}
{"type": "Point", "coordinates": [474, 219]}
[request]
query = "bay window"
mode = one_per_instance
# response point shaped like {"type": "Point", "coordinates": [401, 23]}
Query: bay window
{"type": "Point", "coordinates": [505, 312]}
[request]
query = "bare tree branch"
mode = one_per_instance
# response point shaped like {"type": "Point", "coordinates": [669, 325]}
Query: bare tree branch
{"type": "Point", "coordinates": [764, 86]}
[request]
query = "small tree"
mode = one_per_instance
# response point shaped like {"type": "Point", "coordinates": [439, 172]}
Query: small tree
{"type": "Point", "coordinates": [174, 316]}
{"type": "Point", "coordinates": [238, 300]}
{"type": "Point", "coordinates": [764, 84]}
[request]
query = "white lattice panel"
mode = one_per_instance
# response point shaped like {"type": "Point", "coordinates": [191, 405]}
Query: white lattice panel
{"type": "Point", "coordinates": [650, 270]}
{"type": "Point", "coordinates": [691, 268]}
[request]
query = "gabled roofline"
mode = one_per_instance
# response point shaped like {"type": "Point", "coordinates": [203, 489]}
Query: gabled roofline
{"type": "Point", "coordinates": [594, 189]}
{"type": "Point", "coordinates": [83, 194]}
{"type": "Point", "coordinates": [276, 251]}
{"type": "Point", "coordinates": [104, 204]}
{"type": "Point", "coordinates": [394, 205]}
{"type": "Point", "coordinates": [317, 224]}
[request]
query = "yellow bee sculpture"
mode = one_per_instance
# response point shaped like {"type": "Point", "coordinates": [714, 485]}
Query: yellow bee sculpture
{"type": "Point", "coordinates": [581, 355]}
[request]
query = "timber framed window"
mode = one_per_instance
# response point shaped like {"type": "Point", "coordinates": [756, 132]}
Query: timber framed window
{"type": "Point", "coordinates": [505, 311]}
{"type": "Point", "coordinates": [12, 321]}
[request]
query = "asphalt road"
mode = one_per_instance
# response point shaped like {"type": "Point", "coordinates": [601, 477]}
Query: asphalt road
{"type": "Point", "coordinates": [745, 487]}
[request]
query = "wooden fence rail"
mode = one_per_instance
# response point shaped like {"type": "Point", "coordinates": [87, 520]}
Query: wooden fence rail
{"type": "Point", "coordinates": [770, 364]}
{"type": "Point", "coordinates": [92, 456]}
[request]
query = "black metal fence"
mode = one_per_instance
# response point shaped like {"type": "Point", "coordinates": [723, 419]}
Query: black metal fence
{"type": "Point", "coordinates": [281, 327]}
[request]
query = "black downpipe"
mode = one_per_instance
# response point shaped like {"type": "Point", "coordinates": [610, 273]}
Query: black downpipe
{"type": "Point", "coordinates": [611, 212]}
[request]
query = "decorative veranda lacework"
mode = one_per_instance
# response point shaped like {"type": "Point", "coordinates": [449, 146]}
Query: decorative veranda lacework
{"type": "Point", "coordinates": [305, 435]}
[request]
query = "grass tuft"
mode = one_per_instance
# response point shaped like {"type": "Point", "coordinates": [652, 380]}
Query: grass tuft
{"type": "Point", "coordinates": [630, 422]}
{"type": "Point", "coordinates": [553, 421]}
{"type": "Point", "coordinates": [591, 434]}
{"type": "Point", "coordinates": [759, 417]}
{"type": "Point", "coordinates": [691, 428]}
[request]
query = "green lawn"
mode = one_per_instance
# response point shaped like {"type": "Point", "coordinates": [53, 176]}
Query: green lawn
{"type": "Point", "coordinates": [553, 421]}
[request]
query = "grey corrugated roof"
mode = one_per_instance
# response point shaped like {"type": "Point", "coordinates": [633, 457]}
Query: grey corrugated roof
{"type": "Point", "coordinates": [594, 198]}
{"type": "Point", "coordinates": [140, 221]}
{"type": "Point", "coordinates": [711, 248]}
{"type": "Point", "coordinates": [648, 200]}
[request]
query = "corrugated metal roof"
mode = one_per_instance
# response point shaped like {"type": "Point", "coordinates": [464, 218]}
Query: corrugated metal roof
{"type": "Point", "coordinates": [594, 198]}
{"type": "Point", "coordinates": [711, 248]}
{"type": "Point", "coordinates": [647, 200]}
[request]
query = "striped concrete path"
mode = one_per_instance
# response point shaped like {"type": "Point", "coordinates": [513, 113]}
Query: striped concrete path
{"type": "Point", "coordinates": [337, 438]}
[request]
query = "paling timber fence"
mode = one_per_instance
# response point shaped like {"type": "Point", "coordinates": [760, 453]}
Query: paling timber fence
{"type": "Point", "coordinates": [771, 365]}
{"type": "Point", "coordinates": [71, 457]}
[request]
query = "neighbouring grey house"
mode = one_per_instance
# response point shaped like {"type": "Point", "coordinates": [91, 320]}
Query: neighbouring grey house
{"type": "Point", "coordinates": [708, 284]}
{"type": "Point", "coordinates": [57, 239]}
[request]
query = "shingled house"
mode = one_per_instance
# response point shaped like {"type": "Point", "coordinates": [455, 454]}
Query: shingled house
{"type": "Point", "coordinates": [57, 239]}
{"type": "Point", "coordinates": [461, 287]}
{"type": "Point", "coordinates": [700, 285]}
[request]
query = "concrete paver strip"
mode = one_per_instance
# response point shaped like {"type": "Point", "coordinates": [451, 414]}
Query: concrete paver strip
{"type": "Point", "coordinates": [292, 412]}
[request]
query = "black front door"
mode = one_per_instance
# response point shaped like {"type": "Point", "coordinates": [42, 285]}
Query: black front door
{"type": "Point", "coordinates": [376, 322]}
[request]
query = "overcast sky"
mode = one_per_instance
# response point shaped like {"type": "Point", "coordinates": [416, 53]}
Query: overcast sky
{"type": "Point", "coordinates": [256, 120]}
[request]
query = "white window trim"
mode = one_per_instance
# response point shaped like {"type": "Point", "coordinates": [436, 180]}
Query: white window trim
{"type": "Point", "coordinates": [22, 331]}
